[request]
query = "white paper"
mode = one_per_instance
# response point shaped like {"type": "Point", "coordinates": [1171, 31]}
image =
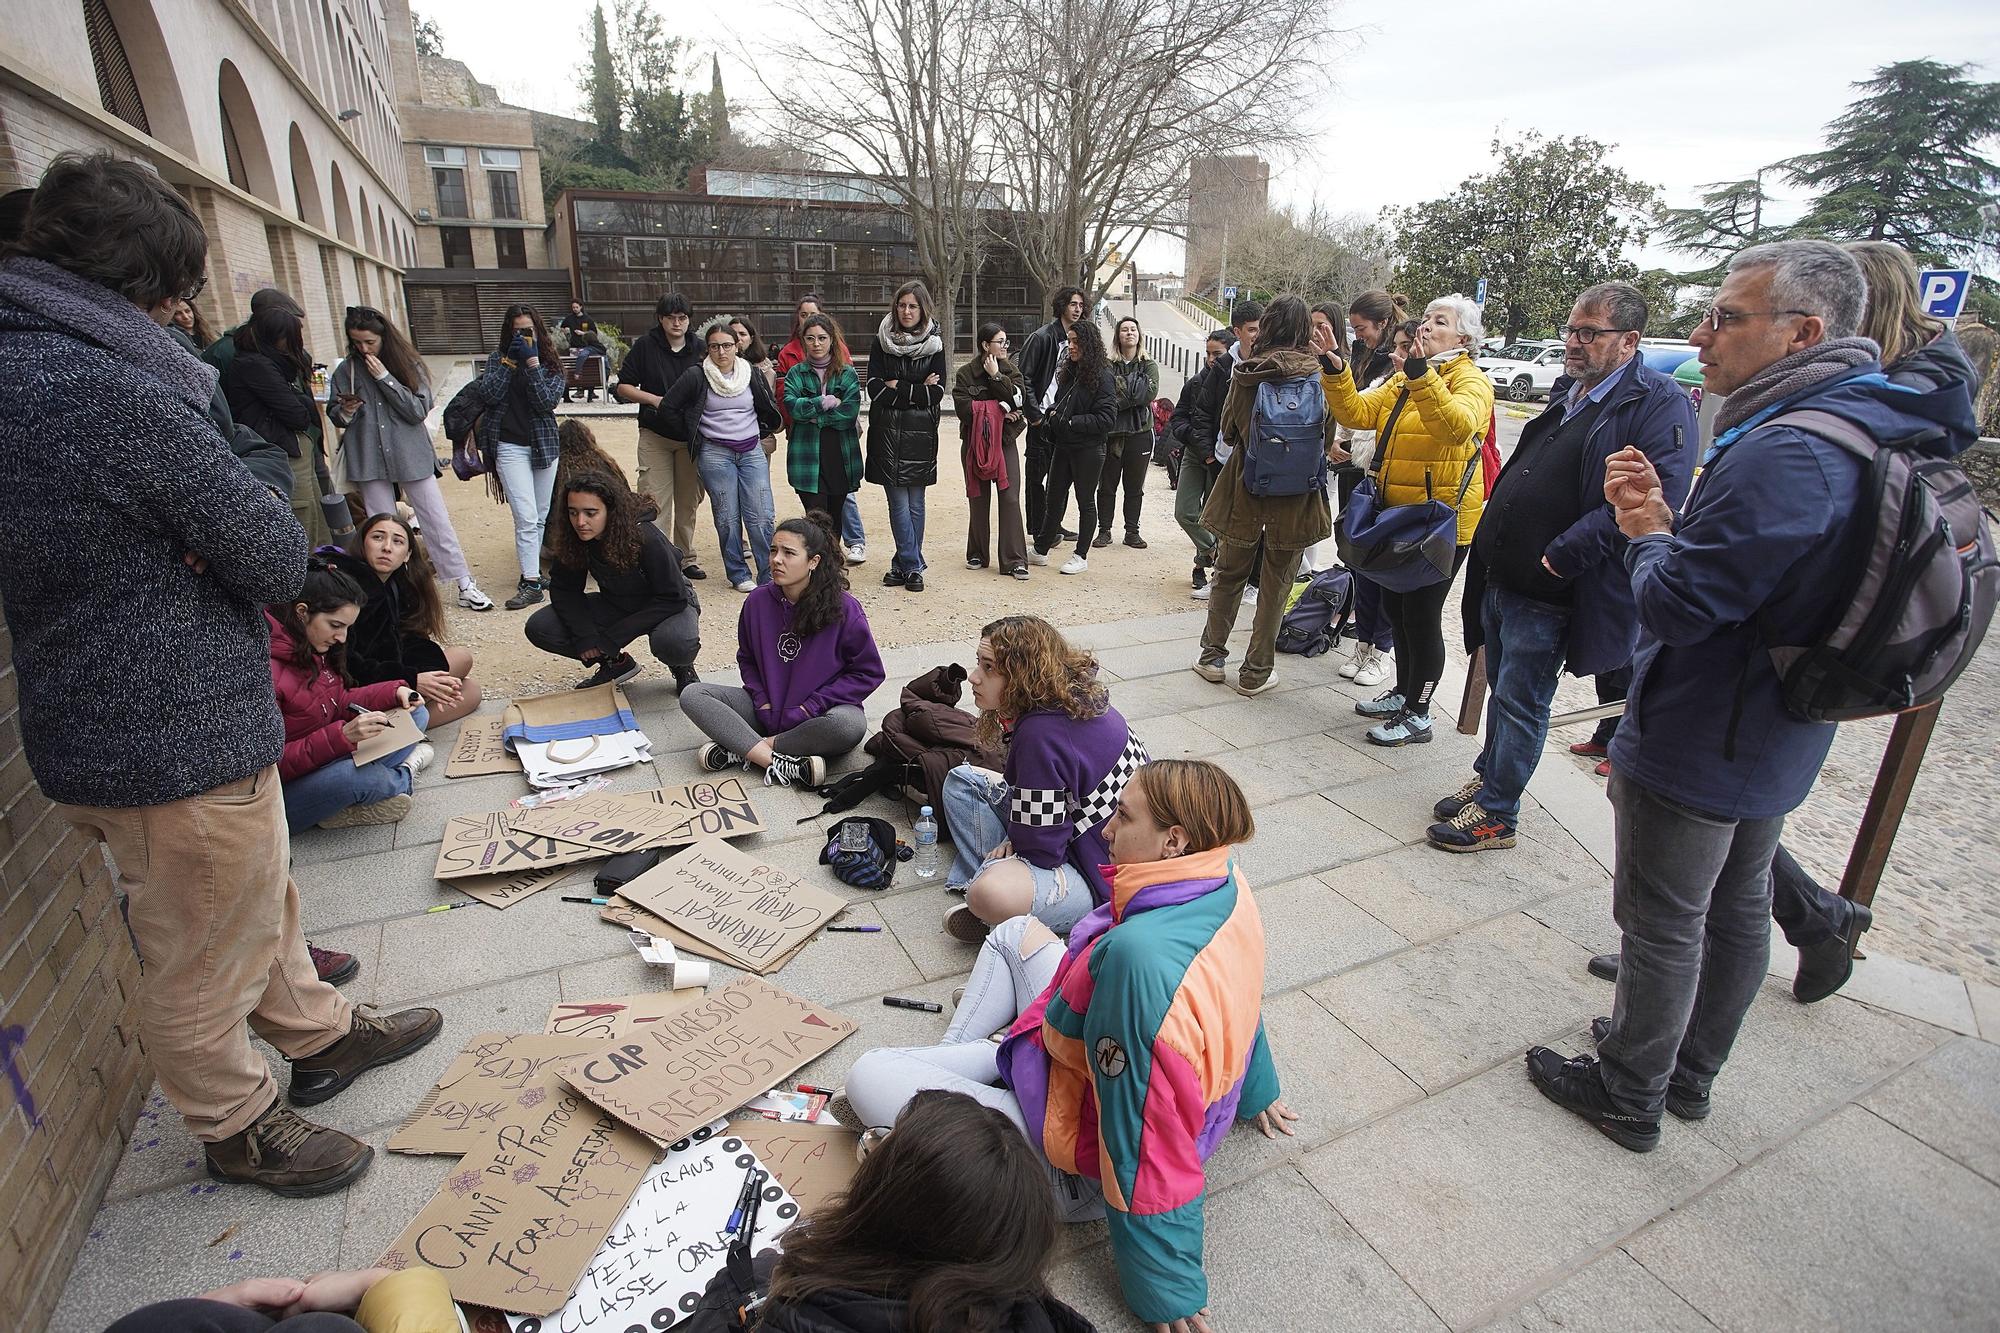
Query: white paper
{"type": "Point", "coordinates": [553, 763]}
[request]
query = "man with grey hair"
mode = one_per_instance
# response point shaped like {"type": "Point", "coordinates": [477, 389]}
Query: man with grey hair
{"type": "Point", "coordinates": [1709, 760]}
{"type": "Point", "coordinates": [1550, 557]}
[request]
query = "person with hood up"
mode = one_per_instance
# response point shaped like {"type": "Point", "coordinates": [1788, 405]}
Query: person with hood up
{"type": "Point", "coordinates": [905, 389]}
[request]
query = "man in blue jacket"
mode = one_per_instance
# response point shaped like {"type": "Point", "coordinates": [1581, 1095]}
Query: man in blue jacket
{"type": "Point", "coordinates": [1708, 760]}
{"type": "Point", "coordinates": [1556, 591]}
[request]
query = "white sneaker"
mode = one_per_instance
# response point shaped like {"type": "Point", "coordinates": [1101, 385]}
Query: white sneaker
{"type": "Point", "coordinates": [420, 757]}
{"type": "Point", "coordinates": [1076, 564]}
{"type": "Point", "coordinates": [1375, 671]}
{"type": "Point", "coordinates": [748, 585]}
{"type": "Point", "coordinates": [471, 598]}
{"type": "Point", "coordinates": [857, 554]}
{"type": "Point", "coordinates": [1200, 594]}
{"type": "Point", "coordinates": [1036, 557]}
{"type": "Point", "coordinates": [1354, 663]}
{"type": "Point", "coordinates": [1249, 595]}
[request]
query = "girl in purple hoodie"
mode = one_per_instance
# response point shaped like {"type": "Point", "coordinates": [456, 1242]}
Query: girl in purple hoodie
{"type": "Point", "coordinates": [808, 662]}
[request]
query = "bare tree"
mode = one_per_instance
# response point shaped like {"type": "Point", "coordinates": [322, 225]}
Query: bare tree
{"type": "Point", "coordinates": [1312, 251]}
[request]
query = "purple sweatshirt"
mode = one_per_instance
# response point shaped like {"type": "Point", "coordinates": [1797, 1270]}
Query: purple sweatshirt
{"type": "Point", "coordinates": [789, 680]}
{"type": "Point", "coordinates": [1066, 774]}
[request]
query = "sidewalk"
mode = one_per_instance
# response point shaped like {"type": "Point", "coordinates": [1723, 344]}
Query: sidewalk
{"type": "Point", "coordinates": [1849, 1178]}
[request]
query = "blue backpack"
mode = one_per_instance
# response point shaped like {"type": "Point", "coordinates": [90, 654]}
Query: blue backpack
{"type": "Point", "coordinates": [1286, 452]}
{"type": "Point", "coordinates": [1313, 622]}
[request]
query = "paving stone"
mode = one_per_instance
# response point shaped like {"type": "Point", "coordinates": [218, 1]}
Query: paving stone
{"type": "Point", "coordinates": [1173, 692]}
{"type": "Point", "coordinates": [433, 808]}
{"type": "Point", "coordinates": [1097, 638]}
{"type": "Point", "coordinates": [1150, 659]}
{"type": "Point", "coordinates": [1421, 892]}
{"type": "Point", "coordinates": [918, 920]}
{"type": "Point", "coordinates": [1179, 736]}
{"type": "Point", "coordinates": [1582, 916]}
{"type": "Point", "coordinates": [1275, 770]}
{"type": "Point", "coordinates": [1306, 835]}
{"type": "Point", "coordinates": [1445, 1010]}
{"type": "Point", "coordinates": [1950, 1100]}
{"type": "Point", "coordinates": [380, 1204]}
{"type": "Point", "coordinates": [1985, 1009]}
{"type": "Point", "coordinates": [435, 955]}
{"type": "Point", "coordinates": [1612, 1295]}
{"type": "Point", "coordinates": [883, 1026]}
{"type": "Point", "coordinates": [1487, 1189]}
{"type": "Point", "coordinates": [1275, 717]}
{"type": "Point", "coordinates": [1399, 801]}
{"type": "Point", "coordinates": [371, 888]}
{"type": "Point", "coordinates": [1855, 1225]}
{"type": "Point", "coordinates": [1311, 932]}
{"type": "Point", "coordinates": [161, 1153]}
{"type": "Point", "coordinates": [1445, 746]}
{"type": "Point", "coordinates": [314, 845]}
{"type": "Point", "coordinates": [1913, 990]}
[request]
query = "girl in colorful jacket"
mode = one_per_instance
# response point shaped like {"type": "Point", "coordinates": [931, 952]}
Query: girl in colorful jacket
{"type": "Point", "coordinates": [1131, 1051]}
{"type": "Point", "coordinates": [1031, 840]}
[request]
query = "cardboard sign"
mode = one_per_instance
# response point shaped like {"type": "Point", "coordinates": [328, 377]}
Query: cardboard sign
{"type": "Point", "coordinates": [623, 912]}
{"type": "Point", "coordinates": [753, 912]}
{"type": "Point", "coordinates": [401, 733]}
{"type": "Point", "coordinates": [671, 1240]}
{"type": "Point", "coordinates": [516, 1225]}
{"type": "Point", "coordinates": [664, 817]}
{"type": "Point", "coordinates": [814, 1162]}
{"type": "Point", "coordinates": [597, 1022]}
{"type": "Point", "coordinates": [503, 891]}
{"type": "Point", "coordinates": [708, 1059]}
{"type": "Point", "coordinates": [478, 751]}
{"type": "Point", "coordinates": [500, 1078]}
{"type": "Point", "coordinates": [487, 845]}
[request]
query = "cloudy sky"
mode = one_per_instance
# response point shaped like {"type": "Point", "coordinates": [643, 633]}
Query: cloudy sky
{"type": "Point", "coordinates": [1687, 94]}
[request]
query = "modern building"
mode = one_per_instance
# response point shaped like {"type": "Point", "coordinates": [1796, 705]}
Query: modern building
{"type": "Point", "coordinates": [1222, 192]}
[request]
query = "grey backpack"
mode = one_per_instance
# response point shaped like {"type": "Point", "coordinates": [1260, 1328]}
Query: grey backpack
{"type": "Point", "coordinates": [1920, 601]}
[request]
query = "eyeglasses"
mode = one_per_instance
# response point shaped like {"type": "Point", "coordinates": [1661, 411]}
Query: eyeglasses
{"type": "Point", "coordinates": [1585, 334]}
{"type": "Point", "coordinates": [200, 285]}
{"type": "Point", "coordinates": [1717, 317]}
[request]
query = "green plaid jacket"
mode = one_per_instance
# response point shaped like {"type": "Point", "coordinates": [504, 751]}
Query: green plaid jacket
{"type": "Point", "coordinates": [813, 426]}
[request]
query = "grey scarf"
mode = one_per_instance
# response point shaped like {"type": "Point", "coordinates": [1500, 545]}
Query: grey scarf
{"type": "Point", "coordinates": [907, 342]}
{"type": "Point", "coordinates": [1794, 374]}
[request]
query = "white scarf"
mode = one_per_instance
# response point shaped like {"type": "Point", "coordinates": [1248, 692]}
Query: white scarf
{"type": "Point", "coordinates": [731, 386]}
{"type": "Point", "coordinates": [909, 342]}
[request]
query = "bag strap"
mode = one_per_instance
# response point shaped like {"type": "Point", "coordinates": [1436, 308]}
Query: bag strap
{"type": "Point", "coordinates": [1465, 483]}
{"type": "Point", "coordinates": [1382, 435]}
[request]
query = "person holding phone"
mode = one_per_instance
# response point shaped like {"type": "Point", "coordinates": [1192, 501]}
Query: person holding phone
{"type": "Point", "coordinates": [327, 717]}
{"type": "Point", "coordinates": [519, 390]}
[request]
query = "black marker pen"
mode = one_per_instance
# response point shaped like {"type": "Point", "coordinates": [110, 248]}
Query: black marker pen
{"type": "Point", "coordinates": [898, 1002]}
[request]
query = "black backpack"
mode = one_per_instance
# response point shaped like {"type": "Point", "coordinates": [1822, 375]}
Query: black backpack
{"type": "Point", "coordinates": [1318, 614]}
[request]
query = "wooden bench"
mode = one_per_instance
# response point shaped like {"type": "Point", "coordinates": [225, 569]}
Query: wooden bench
{"type": "Point", "coordinates": [585, 372]}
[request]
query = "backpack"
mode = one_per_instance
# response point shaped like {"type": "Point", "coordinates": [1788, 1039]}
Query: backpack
{"type": "Point", "coordinates": [1919, 603]}
{"type": "Point", "coordinates": [1286, 451]}
{"type": "Point", "coordinates": [1318, 614]}
{"type": "Point", "coordinates": [461, 427]}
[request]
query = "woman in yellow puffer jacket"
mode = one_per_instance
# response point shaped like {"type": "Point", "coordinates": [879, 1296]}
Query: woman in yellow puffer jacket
{"type": "Point", "coordinates": [1429, 418]}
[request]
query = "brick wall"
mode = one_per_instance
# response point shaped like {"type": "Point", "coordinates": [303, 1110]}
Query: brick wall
{"type": "Point", "coordinates": [72, 1074]}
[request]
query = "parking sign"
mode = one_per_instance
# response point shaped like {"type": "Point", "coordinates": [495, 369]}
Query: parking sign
{"type": "Point", "coordinates": [1480, 299]}
{"type": "Point", "coordinates": [1943, 290]}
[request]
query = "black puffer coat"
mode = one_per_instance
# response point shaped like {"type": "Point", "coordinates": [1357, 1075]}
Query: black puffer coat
{"type": "Point", "coordinates": [903, 421]}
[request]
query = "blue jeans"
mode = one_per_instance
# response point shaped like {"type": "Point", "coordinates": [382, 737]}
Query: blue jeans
{"type": "Point", "coordinates": [529, 490]}
{"type": "Point", "coordinates": [739, 488]}
{"type": "Point", "coordinates": [906, 521]}
{"type": "Point", "coordinates": [850, 522]}
{"type": "Point", "coordinates": [327, 790]}
{"type": "Point", "coordinates": [1524, 655]}
{"type": "Point", "coordinates": [975, 818]}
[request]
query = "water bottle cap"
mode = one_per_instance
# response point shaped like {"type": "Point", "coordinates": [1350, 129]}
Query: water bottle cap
{"type": "Point", "coordinates": [925, 813]}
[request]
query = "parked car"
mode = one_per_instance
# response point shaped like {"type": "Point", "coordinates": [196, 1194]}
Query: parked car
{"type": "Point", "coordinates": [1522, 378]}
{"type": "Point", "coordinates": [1524, 349]}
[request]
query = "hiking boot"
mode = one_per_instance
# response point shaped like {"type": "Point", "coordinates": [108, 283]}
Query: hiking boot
{"type": "Point", "coordinates": [1471, 830]}
{"type": "Point", "coordinates": [526, 593]}
{"type": "Point", "coordinates": [1405, 728]}
{"type": "Point", "coordinates": [1686, 1103]}
{"type": "Point", "coordinates": [393, 810]}
{"type": "Point", "coordinates": [334, 967]}
{"type": "Point", "coordinates": [1387, 704]}
{"type": "Point", "coordinates": [795, 771]}
{"type": "Point", "coordinates": [714, 759]}
{"type": "Point", "coordinates": [1458, 800]}
{"type": "Point", "coordinates": [290, 1156]}
{"type": "Point", "coordinates": [1374, 669]}
{"type": "Point", "coordinates": [1212, 672]}
{"type": "Point", "coordinates": [1603, 966]}
{"type": "Point", "coordinates": [1134, 540]}
{"type": "Point", "coordinates": [611, 671]}
{"type": "Point", "coordinates": [963, 925]}
{"type": "Point", "coordinates": [1578, 1085]}
{"type": "Point", "coordinates": [374, 1040]}
{"type": "Point", "coordinates": [1825, 967]}
{"type": "Point", "coordinates": [1103, 537]}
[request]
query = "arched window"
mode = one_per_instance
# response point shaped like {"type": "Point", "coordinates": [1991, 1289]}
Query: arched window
{"type": "Point", "coordinates": [343, 211]}
{"type": "Point", "coordinates": [117, 85]}
{"type": "Point", "coordinates": [245, 152]}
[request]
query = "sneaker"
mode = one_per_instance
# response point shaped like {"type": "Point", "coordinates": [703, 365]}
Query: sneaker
{"type": "Point", "coordinates": [892, 577]}
{"type": "Point", "coordinates": [1376, 670]}
{"type": "Point", "coordinates": [1103, 537]}
{"type": "Point", "coordinates": [914, 583]}
{"type": "Point", "coordinates": [841, 1109]}
{"type": "Point", "coordinates": [1076, 564]}
{"type": "Point", "coordinates": [1134, 540]}
{"type": "Point", "coordinates": [1355, 662]}
{"type": "Point", "coordinates": [374, 1040]}
{"type": "Point", "coordinates": [1249, 595]}
{"type": "Point", "coordinates": [611, 671]}
{"type": "Point", "coordinates": [334, 967]}
{"type": "Point", "coordinates": [975, 562]}
{"type": "Point", "coordinates": [692, 570]}
{"type": "Point", "coordinates": [684, 676]}
{"type": "Point", "coordinates": [1200, 576]}
{"type": "Point", "coordinates": [1578, 1085]}
{"type": "Point", "coordinates": [1449, 807]}
{"type": "Point", "coordinates": [289, 1155]}
{"type": "Point", "coordinates": [421, 755]}
{"type": "Point", "coordinates": [1387, 704]}
{"type": "Point", "coordinates": [1686, 1103]}
{"type": "Point", "coordinates": [1065, 534]}
{"type": "Point", "coordinates": [1212, 672]}
{"type": "Point", "coordinates": [1405, 728]}
{"type": "Point", "coordinates": [1471, 830]}
{"type": "Point", "coordinates": [795, 771]}
{"type": "Point", "coordinates": [471, 598]}
{"type": "Point", "coordinates": [1249, 691]}
{"type": "Point", "coordinates": [526, 593]}
{"type": "Point", "coordinates": [962, 925]}
{"type": "Point", "coordinates": [1592, 748]}
{"type": "Point", "coordinates": [1020, 572]}
{"type": "Point", "coordinates": [392, 811]}
{"type": "Point", "coordinates": [1200, 592]}
{"type": "Point", "coordinates": [1036, 557]}
{"type": "Point", "coordinates": [745, 585]}
{"type": "Point", "coordinates": [856, 553]}
{"type": "Point", "coordinates": [714, 759]}
{"type": "Point", "coordinates": [1825, 967]}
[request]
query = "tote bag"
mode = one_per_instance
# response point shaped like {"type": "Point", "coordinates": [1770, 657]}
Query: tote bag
{"type": "Point", "coordinates": [1400, 547]}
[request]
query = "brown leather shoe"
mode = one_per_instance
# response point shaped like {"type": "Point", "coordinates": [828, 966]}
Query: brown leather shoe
{"type": "Point", "coordinates": [376, 1039]}
{"type": "Point", "coordinates": [290, 1156]}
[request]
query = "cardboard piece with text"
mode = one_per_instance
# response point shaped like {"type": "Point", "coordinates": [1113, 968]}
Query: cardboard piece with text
{"type": "Point", "coordinates": [401, 733]}
{"type": "Point", "coordinates": [636, 821]}
{"type": "Point", "coordinates": [529, 1206]}
{"type": "Point", "coordinates": [488, 845]}
{"type": "Point", "coordinates": [500, 1078]}
{"type": "Point", "coordinates": [709, 1059]}
{"type": "Point", "coordinates": [478, 751]}
{"type": "Point", "coordinates": [503, 891]}
{"type": "Point", "coordinates": [623, 912]}
{"type": "Point", "coordinates": [596, 1022]}
{"type": "Point", "coordinates": [814, 1162]}
{"type": "Point", "coordinates": [755, 913]}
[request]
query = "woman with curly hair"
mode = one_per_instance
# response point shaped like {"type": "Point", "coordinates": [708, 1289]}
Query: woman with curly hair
{"type": "Point", "coordinates": [1031, 840]}
{"type": "Point", "coordinates": [396, 637]}
{"type": "Point", "coordinates": [1076, 425]}
{"type": "Point", "coordinates": [808, 661]}
{"type": "Point", "coordinates": [640, 587]}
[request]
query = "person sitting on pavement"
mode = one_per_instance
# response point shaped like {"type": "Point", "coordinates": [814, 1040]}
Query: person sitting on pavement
{"type": "Point", "coordinates": [808, 662]}
{"type": "Point", "coordinates": [1130, 1051]}
{"type": "Point", "coordinates": [1709, 759]}
{"type": "Point", "coordinates": [396, 636]}
{"type": "Point", "coordinates": [327, 717]}
{"type": "Point", "coordinates": [1550, 557]}
{"type": "Point", "coordinates": [641, 589]}
{"type": "Point", "coordinates": [1031, 840]}
{"type": "Point", "coordinates": [331, 1302]}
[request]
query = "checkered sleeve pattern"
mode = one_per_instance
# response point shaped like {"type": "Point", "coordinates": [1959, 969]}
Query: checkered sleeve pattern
{"type": "Point", "coordinates": [1040, 807]}
{"type": "Point", "coordinates": [1103, 799]}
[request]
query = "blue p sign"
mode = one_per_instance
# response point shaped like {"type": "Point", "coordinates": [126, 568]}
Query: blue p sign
{"type": "Point", "coordinates": [1942, 290]}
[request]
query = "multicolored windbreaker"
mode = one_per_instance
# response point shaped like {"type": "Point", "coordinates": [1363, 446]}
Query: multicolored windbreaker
{"type": "Point", "coordinates": [1132, 1065]}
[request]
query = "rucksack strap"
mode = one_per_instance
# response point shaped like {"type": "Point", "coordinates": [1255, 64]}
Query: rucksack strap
{"type": "Point", "coordinates": [1835, 429]}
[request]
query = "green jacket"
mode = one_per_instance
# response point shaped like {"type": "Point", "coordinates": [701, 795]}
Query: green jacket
{"type": "Point", "coordinates": [813, 426]}
{"type": "Point", "coordinates": [1285, 522]}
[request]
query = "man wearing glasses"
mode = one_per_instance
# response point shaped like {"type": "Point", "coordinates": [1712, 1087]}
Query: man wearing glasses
{"type": "Point", "coordinates": [1556, 591]}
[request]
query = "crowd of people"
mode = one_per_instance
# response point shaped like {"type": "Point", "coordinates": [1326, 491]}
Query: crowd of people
{"type": "Point", "coordinates": [1120, 954]}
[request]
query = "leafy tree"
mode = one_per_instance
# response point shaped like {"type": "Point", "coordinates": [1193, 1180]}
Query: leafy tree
{"type": "Point", "coordinates": [1309, 252]}
{"type": "Point", "coordinates": [1903, 163]}
{"type": "Point", "coordinates": [667, 137]}
{"type": "Point", "coordinates": [1552, 218]}
{"type": "Point", "coordinates": [600, 84]}
{"type": "Point", "coordinates": [430, 41]}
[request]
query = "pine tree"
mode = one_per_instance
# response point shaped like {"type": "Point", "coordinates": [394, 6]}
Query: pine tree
{"type": "Point", "coordinates": [1731, 216]}
{"type": "Point", "coordinates": [718, 104]}
{"type": "Point", "coordinates": [601, 85]}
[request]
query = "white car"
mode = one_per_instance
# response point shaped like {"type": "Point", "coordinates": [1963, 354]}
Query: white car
{"type": "Point", "coordinates": [1522, 379]}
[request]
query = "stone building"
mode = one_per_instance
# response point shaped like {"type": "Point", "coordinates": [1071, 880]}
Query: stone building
{"type": "Point", "coordinates": [1223, 193]}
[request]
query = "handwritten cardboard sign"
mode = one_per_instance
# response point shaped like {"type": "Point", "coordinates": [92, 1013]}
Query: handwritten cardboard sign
{"type": "Point", "coordinates": [623, 912]}
{"type": "Point", "coordinates": [500, 1078]}
{"type": "Point", "coordinates": [488, 845]}
{"type": "Point", "coordinates": [503, 891]}
{"type": "Point", "coordinates": [813, 1162]}
{"type": "Point", "coordinates": [596, 1022]}
{"type": "Point", "coordinates": [478, 750]}
{"type": "Point", "coordinates": [401, 733]}
{"type": "Point", "coordinates": [516, 1225]}
{"type": "Point", "coordinates": [663, 817]}
{"type": "Point", "coordinates": [708, 1059]}
{"type": "Point", "coordinates": [753, 912]}
{"type": "Point", "coordinates": [671, 1240]}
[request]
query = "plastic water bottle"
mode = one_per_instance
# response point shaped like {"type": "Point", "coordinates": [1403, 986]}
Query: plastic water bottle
{"type": "Point", "coordinates": [926, 862]}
